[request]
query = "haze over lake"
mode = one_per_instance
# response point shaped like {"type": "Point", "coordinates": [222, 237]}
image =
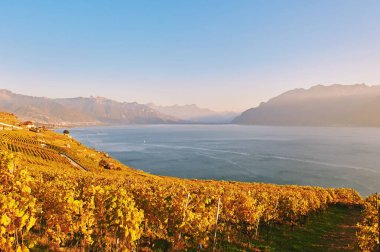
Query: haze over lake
{"type": "Point", "coordinates": [321, 156]}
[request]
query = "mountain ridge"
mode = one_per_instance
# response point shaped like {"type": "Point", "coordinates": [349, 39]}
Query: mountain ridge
{"type": "Point", "coordinates": [334, 105]}
{"type": "Point", "coordinates": [193, 113]}
{"type": "Point", "coordinates": [80, 110]}
{"type": "Point", "coordinates": [320, 105]}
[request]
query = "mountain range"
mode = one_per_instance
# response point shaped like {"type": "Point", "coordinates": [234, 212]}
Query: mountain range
{"type": "Point", "coordinates": [79, 111]}
{"type": "Point", "coordinates": [335, 105]}
{"type": "Point", "coordinates": [100, 110]}
{"type": "Point", "coordinates": [193, 113]}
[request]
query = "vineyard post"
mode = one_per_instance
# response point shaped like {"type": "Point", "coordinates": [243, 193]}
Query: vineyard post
{"type": "Point", "coordinates": [257, 226]}
{"type": "Point", "coordinates": [270, 223]}
{"type": "Point", "coordinates": [184, 213]}
{"type": "Point", "coordinates": [216, 224]}
{"type": "Point", "coordinates": [267, 219]}
{"type": "Point", "coordinates": [13, 166]}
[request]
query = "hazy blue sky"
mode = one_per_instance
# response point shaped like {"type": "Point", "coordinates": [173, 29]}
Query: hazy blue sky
{"type": "Point", "coordinates": [225, 55]}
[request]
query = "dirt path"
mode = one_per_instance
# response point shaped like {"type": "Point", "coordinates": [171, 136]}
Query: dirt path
{"type": "Point", "coordinates": [343, 237]}
{"type": "Point", "coordinates": [333, 230]}
{"type": "Point", "coordinates": [73, 162]}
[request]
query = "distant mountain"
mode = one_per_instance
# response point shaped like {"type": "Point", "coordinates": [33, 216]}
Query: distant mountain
{"type": "Point", "coordinates": [79, 111]}
{"type": "Point", "coordinates": [109, 111]}
{"type": "Point", "coordinates": [192, 113]}
{"type": "Point", "coordinates": [335, 105]}
{"type": "Point", "coordinates": [40, 109]}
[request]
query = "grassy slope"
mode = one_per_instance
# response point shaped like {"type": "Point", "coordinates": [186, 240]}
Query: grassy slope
{"type": "Point", "coordinates": [333, 230]}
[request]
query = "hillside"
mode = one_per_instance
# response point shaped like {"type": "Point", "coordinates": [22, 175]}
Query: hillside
{"type": "Point", "coordinates": [79, 111]}
{"type": "Point", "coordinates": [195, 114]}
{"type": "Point", "coordinates": [40, 109]}
{"type": "Point", "coordinates": [336, 105]}
{"type": "Point", "coordinates": [57, 194]}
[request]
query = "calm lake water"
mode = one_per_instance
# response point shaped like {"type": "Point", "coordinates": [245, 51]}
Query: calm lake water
{"type": "Point", "coordinates": [322, 156]}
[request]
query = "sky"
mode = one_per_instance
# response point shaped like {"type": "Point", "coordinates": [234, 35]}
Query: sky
{"type": "Point", "coordinates": [223, 55]}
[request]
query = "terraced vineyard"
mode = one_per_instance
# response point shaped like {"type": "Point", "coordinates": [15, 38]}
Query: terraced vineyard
{"type": "Point", "coordinates": [48, 203]}
{"type": "Point", "coordinates": [33, 151]}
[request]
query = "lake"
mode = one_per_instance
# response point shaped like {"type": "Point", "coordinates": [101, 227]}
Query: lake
{"type": "Point", "coordinates": [321, 156]}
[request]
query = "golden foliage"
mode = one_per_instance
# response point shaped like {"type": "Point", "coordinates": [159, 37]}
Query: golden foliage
{"type": "Point", "coordinates": [368, 228]}
{"type": "Point", "coordinates": [61, 207]}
